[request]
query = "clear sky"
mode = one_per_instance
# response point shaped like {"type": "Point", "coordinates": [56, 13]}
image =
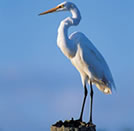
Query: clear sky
{"type": "Point", "coordinates": [39, 86]}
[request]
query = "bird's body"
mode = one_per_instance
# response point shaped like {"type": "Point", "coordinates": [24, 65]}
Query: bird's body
{"type": "Point", "coordinates": [83, 54]}
{"type": "Point", "coordinates": [91, 64]}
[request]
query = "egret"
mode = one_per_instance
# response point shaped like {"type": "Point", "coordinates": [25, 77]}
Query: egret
{"type": "Point", "coordinates": [83, 55]}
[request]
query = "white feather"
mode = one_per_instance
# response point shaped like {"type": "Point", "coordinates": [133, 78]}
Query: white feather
{"type": "Point", "coordinates": [83, 54]}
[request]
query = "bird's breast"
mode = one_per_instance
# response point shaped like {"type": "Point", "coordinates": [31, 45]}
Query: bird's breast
{"type": "Point", "coordinates": [79, 63]}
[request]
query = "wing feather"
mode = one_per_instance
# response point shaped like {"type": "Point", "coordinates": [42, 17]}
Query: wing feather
{"type": "Point", "coordinates": [93, 58]}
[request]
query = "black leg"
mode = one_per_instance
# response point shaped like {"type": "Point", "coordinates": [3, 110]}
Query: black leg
{"type": "Point", "coordinates": [91, 103]}
{"type": "Point", "coordinates": [84, 100]}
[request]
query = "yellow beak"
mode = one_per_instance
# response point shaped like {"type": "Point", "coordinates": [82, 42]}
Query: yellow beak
{"type": "Point", "coordinates": [49, 11]}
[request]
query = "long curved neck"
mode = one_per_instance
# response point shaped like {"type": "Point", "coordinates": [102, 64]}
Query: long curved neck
{"type": "Point", "coordinates": [63, 42]}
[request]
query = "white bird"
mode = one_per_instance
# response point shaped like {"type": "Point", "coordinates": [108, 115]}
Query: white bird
{"type": "Point", "coordinates": [83, 54]}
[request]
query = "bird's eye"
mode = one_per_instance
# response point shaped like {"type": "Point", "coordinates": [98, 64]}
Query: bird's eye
{"type": "Point", "coordinates": [61, 6]}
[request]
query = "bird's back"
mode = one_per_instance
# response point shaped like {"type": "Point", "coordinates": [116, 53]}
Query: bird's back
{"type": "Point", "coordinates": [90, 63]}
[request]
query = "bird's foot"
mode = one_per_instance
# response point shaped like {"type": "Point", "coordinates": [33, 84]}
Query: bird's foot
{"type": "Point", "coordinates": [79, 120]}
{"type": "Point", "coordinates": [91, 124]}
{"type": "Point", "coordinates": [73, 123]}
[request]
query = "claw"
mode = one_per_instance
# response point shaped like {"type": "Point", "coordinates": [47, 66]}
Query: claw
{"type": "Point", "coordinates": [79, 120]}
{"type": "Point", "coordinates": [91, 124]}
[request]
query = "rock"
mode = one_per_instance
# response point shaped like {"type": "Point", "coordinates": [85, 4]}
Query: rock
{"type": "Point", "coordinates": [72, 125]}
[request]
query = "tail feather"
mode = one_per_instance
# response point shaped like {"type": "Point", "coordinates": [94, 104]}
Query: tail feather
{"type": "Point", "coordinates": [104, 88]}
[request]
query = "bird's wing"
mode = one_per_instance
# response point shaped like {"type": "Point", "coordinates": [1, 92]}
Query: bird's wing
{"type": "Point", "coordinates": [94, 60]}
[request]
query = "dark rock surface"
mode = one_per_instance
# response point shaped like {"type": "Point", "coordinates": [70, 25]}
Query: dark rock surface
{"type": "Point", "coordinates": [72, 125]}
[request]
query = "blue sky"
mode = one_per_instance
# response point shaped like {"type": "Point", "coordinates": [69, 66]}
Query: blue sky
{"type": "Point", "coordinates": [39, 86]}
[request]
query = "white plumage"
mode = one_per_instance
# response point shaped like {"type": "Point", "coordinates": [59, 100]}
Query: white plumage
{"type": "Point", "coordinates": [83, 54]}
{"type": "Point", "coordinates": [90, 63]}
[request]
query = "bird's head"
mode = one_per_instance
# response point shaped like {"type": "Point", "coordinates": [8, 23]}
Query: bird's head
{"type": "Point", "coordinates": [65, 6]}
